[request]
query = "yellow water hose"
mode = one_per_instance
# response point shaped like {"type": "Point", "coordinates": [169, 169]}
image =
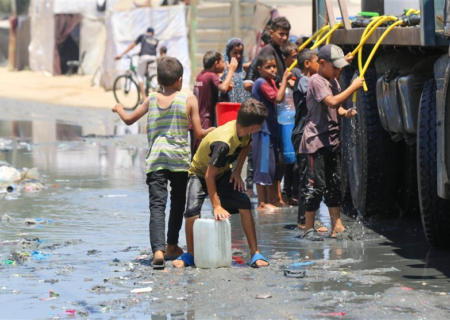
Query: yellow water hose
{"type": "Point", "coordinates": [327, 36]}
{"type": "Point", "coordinates": [410, 11]}
{"type": "Point", "coordinates": [385, 33]}
{"type": "Point", "coordinates": [370, 29]}
{"type": "Point", "coordinates": [318, 33]}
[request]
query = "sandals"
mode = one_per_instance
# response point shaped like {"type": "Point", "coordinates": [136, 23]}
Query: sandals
{"type": "Point", "coordinates": [187, 258]}
{"type": "Point", "coordinates": [312, 235]}
{"type": "Point", "coordinates": [294, 273]}
{"type": "Point", "coordinates": [258, 256]}
{"type": "Point", "coordinates": [318, 225]}
{"type": "Point", "coordinates": [345, 235]}
{"type": "Point", "coordinates": [160, 265]}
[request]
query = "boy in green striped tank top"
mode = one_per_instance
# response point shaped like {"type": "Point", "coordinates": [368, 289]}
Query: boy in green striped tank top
{"type": "Point", "coordinates": [168, 157]}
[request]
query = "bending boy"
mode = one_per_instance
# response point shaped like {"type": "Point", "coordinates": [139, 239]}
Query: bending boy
{"type": "Point", "coordinates": [210, 174]}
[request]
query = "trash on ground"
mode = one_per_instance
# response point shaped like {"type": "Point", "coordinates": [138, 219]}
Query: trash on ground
{"type": "Point", "coordinates": [142, 290]}
{"type": "Point", "coordinates": [263, 296]}
{"type": "Point", "coordinates": [294, 273]}
{"type": "Point", "coordinates": [113, 196]}
{"type": "Point", "coordinates": [407, 289]}
{"type": "Point", "coordinates": [334, 314]}
{"type": "Point", "coordinates": [39, 256]}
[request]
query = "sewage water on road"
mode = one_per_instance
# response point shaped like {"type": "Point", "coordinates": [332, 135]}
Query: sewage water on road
{"type": "Point", "coordinates": [79, 247]}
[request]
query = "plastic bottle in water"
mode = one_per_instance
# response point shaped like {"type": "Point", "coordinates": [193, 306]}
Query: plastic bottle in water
{"type": "Point", "coordinates": [286, 121]}
{"type": "Point", "coordinates": [212, 243]}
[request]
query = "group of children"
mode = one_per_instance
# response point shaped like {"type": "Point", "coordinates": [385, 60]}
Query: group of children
{"type": "Point", "coordinates": [211, 164]}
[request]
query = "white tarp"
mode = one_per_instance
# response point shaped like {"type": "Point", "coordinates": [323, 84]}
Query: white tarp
{"type": "Point", "coordinates": [42, 43]}
{"type": "Point", "coordinates": [123, 27]}
{"type": "Point", "coordinates": [92, 32]}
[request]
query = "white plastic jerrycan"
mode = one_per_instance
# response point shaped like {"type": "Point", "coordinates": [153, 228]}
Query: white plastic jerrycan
{"type": "Point", "coordinates": [212, 243]}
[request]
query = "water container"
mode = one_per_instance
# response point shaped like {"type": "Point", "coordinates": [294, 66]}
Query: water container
{"type": "Point", "coordinates": [212, 243]}
{"type": "Point", "coordinates": [286, 123]}
{"type": "Point", "coordinates": [226, 111]}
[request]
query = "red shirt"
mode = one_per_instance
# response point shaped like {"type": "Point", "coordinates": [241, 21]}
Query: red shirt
{"type": "Point", "coordinates": [206, 89]}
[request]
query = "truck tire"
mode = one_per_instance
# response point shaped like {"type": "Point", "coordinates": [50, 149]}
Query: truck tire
{"type": "Point", "coordinates": [372, 157]}
{"type": "Point", "coordinates": [434, 210]}
{"type": "Point", "coordinates": [408, 201]}
{"type": "Point", "coordinates": [345, 80]}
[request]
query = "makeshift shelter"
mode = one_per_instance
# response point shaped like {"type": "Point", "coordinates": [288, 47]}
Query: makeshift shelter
{"type": "Point", "coordinates": [4, 42]}
{"type": "Point", "coordinates": [123, 27]}
{"type": "Point", "coordinates": [64, 30]}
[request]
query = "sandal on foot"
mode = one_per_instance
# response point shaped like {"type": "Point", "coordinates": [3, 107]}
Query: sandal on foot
{"type": "Point", "coordinates": [294, 273]}
{"type": "Point", "coordinates": [160, 265]}
{"type": "Point", "coordinates": [187, 258]}
{"type": "Point", "coordinates": [318, 224]}
{"type": "Point", "coordinates": [344, 235]}
{"type": "Point", "coordinates": [312, 235]}
{"type": "Point", "coordinates": [258, 256]}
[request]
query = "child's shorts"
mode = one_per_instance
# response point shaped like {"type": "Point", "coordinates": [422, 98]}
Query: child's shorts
{"type": "Point", "coordinates": [266, 167]}
{"type": "Point", "coordinates": [230, 199]}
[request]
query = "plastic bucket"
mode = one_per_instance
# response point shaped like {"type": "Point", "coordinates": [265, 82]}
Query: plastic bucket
{"type": "Point", "coordinates": [226, 111]}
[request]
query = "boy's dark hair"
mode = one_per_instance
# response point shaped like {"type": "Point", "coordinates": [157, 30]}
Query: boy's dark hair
{"type": "Point", "coordinates": [299, 42]}
{"type": "Point", "coordinates": [251, 112]}
{"type": "Point", "coordinates": [169, 71]}
{"type": "Point", "coordinates": [305, 55]}
{"type": "Point", "coordinates": [262, 58]}
{"type": "Point", "coordinates": [280, 23]}
{"type": "Point", "coordinates": [210, 58]}
{"type": "Point", "coordinates": [287, 48]}
{"type": "Point", "coordinates": [163, 49]}
{"type": "Point", "coordinates": [265, 35]}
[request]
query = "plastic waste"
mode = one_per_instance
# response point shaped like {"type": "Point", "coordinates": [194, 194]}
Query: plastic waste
{"type": "Point", "coordinates": [212, 243]}
{"type": "Point", "coordinates": [9, 262]}
{"type": "Point", "coordinates": [142, 290]}
{"type": "Point", "coordinates": [9, 174]}
{"type": "Point", "coordinates": [53, 294]}
{"type": "Point", "coordinates": [11, 188]}
{"type": "Point", "coordinates": [286, 123]}
{"type": "Point", "coordinates": [102, 308]}
{"type": "Point", "coordinates": [39, 256]}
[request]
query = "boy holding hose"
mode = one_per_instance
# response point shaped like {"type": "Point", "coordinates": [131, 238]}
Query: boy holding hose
{"type": "Point", "coordinates": [320, 141]}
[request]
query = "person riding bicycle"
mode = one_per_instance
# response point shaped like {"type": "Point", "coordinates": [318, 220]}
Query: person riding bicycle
{"type": "Point", "coordinates": [147, 55]}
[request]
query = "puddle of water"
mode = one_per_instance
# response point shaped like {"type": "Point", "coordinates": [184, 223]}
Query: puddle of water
{"type": "Point", "coordinates": [100, 197]}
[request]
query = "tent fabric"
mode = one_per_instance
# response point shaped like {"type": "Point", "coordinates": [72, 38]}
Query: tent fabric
{"type": "Point", "coordinates": [4, 42]}
{"type": "Point", "coordinates": [123, 27]}
{"type": "Point", "coordinates": [64, 25]}
{"type": "Point", "coordinates": [92, 30]}
{"type": "Point", "coordinates": [22, 43]}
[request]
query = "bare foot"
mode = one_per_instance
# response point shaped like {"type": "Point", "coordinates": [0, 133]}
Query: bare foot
{"type": "Point", "coordinates": [173, 251]}
{"type": "Point", "coordinates": [336, 231]}
{"type": "Point", "coordinates": [179, 263]}
{"type": "Point", "coordinates": [320, 227]}
{"type": "Point", "coordinates": [280, 204]}
{"type": "Point", "coordinates": [267, 207]}
{"type": "Point", "coordinates": [261, 263]}
{"type": "Point", "coordinates": [301, 226]}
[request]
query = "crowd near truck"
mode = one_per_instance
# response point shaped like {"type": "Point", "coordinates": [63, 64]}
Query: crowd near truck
{"type": "Point", "coordinates": [396, 152]}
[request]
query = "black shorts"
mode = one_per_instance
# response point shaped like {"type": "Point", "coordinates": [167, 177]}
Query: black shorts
{"type": "Point", "coordinates": [230, 199]}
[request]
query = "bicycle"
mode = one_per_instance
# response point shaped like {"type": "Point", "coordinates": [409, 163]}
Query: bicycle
{"type": "Point", "coordinates": [126, 90]}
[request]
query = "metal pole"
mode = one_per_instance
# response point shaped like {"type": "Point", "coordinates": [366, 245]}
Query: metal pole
{"type": "Point", "coordinates": [13, 8]}
{"type": "Point", "coordinates": [235, 18]}
{"type": "Point", "coordinates": [193, 38]}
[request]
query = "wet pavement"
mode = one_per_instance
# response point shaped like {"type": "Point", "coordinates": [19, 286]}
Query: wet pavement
{"type": "Point", "coordinates": [91, 239]}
